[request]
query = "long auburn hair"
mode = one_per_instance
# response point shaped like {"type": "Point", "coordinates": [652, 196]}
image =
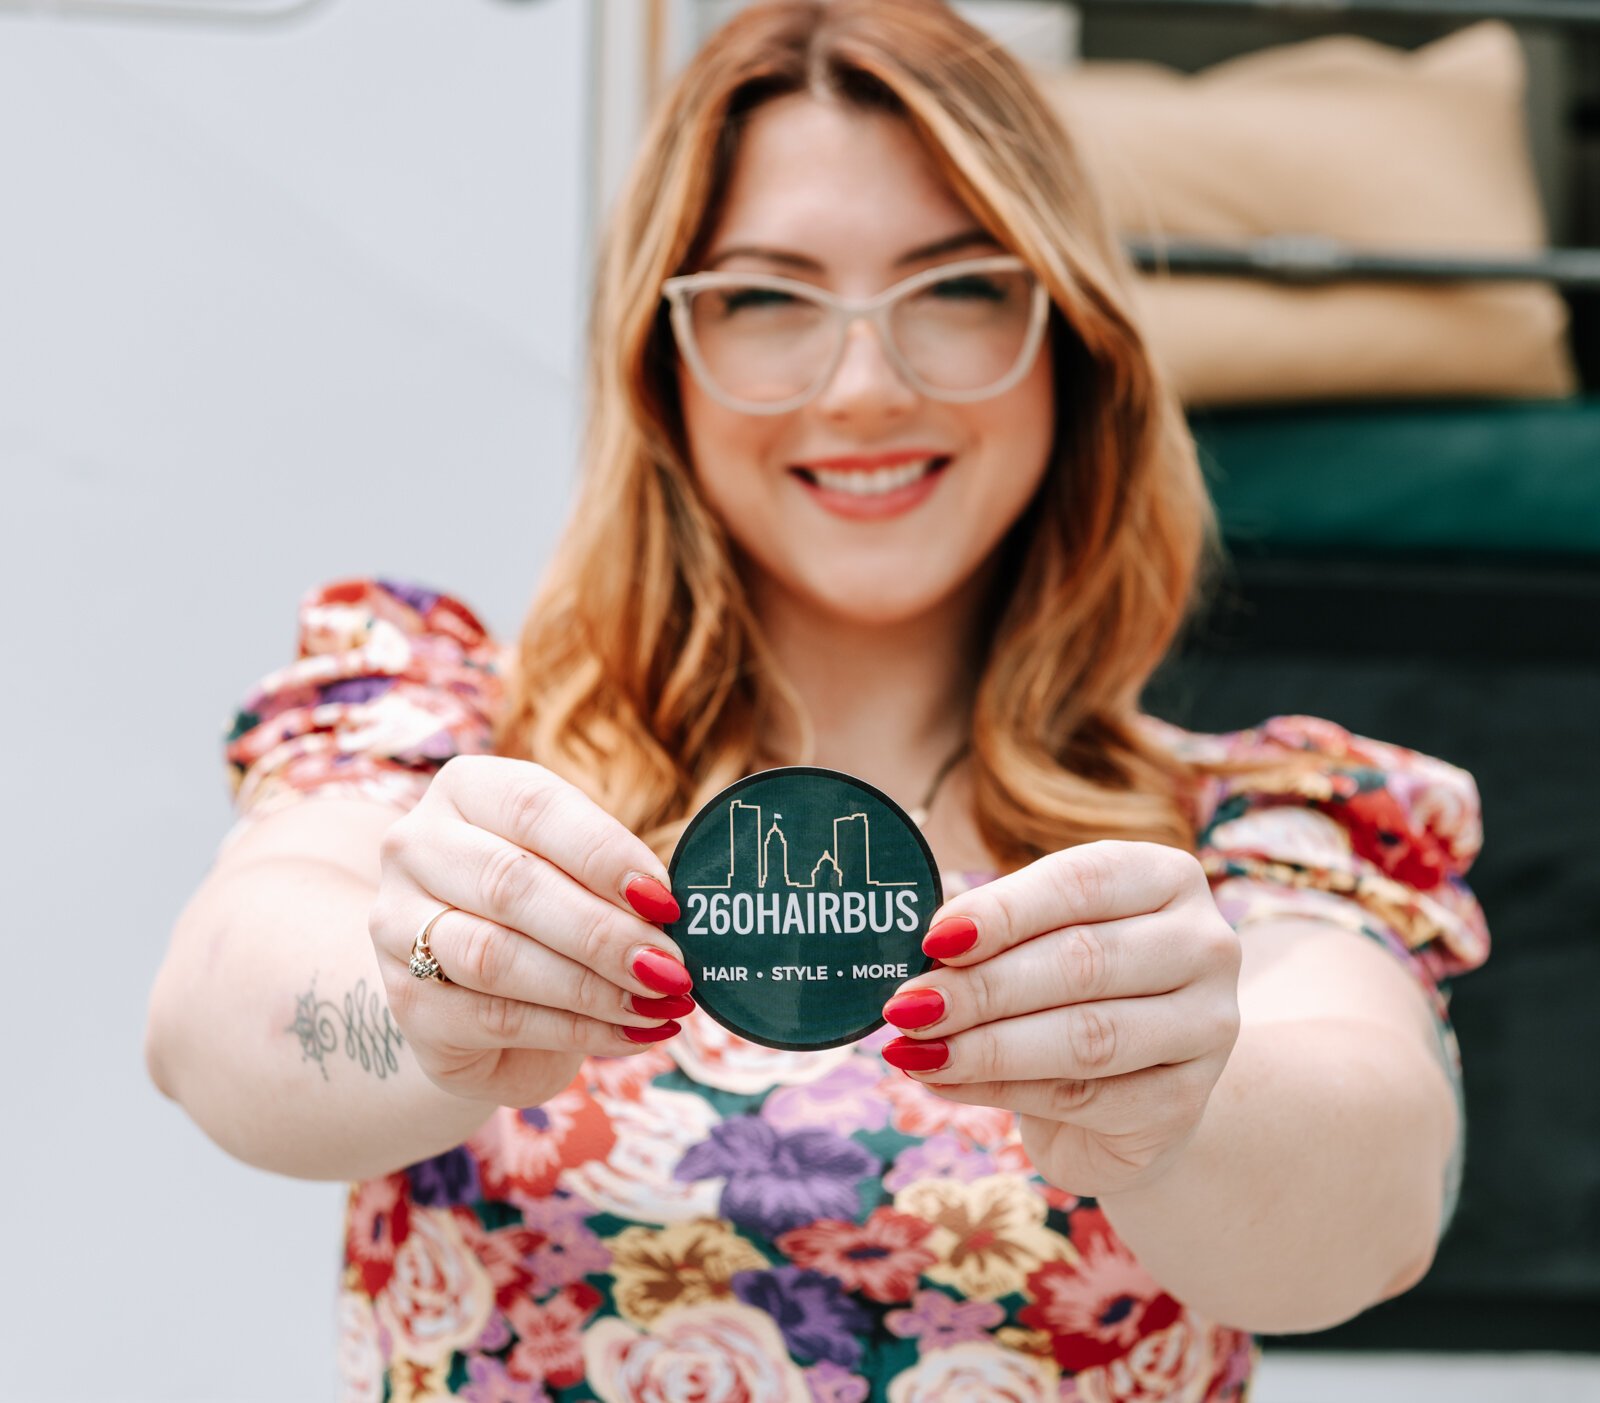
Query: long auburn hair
{"type": "Point", "coordinates": [642, 673]}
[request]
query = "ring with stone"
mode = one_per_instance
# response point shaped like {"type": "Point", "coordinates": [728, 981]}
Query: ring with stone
{"type": "Point", "coordinates": [424, 963]}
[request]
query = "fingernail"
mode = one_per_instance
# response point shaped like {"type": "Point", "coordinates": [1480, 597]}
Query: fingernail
{"type": "Point", "coordinates": [668, 1006]}
{"type": "Point", "coordinates": [651, 1035]}
{"type": "Point", "coordinates": [914, 1008]}
{"type": "Point", "coordinates": [953, 936]}
{"type": "Point", "coordinates": [916, 1055]}
{"type": "Point", "coordinates": [661, 972]}
{"type": "Point", "coordinates": [651, 899]}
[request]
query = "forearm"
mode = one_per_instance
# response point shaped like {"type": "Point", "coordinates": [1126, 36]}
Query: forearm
{"type": "Point", "coordinates": [1312, 1187]}
{"type": "Point", "coordinates": [269, 1025]}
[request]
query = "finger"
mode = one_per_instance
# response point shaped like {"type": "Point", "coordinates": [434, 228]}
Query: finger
{"type": "Point", "coordinates": [1100, 881]}
{"type": "Point", "coordinates": [1138, 955]}
{"type": "Point", "coordinates": [447, 1016]}
{"type": "Point", "coordinates": [1098, 1039]}
{"type": "Point", "coordinates": [490, 958]}
{"type": "Point", "coordinates": [1135, 1101]}
{"type": "Point", "coordinates": [481, 873]}
{"type": "Point", "coordinates": [531, 808]}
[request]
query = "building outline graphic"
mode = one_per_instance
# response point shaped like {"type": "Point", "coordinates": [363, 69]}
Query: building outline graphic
{"type": "Point", "coordinates": [837, 857]}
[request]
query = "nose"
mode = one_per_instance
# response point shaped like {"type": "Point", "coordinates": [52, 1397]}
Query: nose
{"type": "Point", "coordinates": [865, 383]}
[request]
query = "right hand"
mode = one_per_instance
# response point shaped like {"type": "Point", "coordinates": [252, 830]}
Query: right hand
{"type": "Point", "coordinates": [547, 959]}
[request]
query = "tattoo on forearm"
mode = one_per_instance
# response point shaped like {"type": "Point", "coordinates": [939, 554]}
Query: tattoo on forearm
{"type": "Point", "coordinates": [362, 1026]}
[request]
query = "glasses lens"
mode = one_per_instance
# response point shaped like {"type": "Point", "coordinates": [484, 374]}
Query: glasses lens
{"type": "Point", "coordinates": [961, 333]}
{"type": "Point", "coordinates": [965, 332]}
{"type": "Point", "coordinates": [758, 343]}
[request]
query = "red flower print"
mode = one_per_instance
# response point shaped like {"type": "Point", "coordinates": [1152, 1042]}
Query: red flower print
{"type": "Point", "coordinates": [502, 1253]}
{"type": "Point", "coordinates": [549, 1345]}
{"type": "Point", "coordinates": [918, 1112]}
{"type": "Point", "coordinates": [522, 1153]}
{"type": "Point", "coordinates": [1382, 832]}
{"type": "Point", "coordinates": [1097, 1308]}
{"type": "Point", "coordinates": [880, 1258]}
{"type": "Point", "coordinates": [625, 1078]}
{"type": "Point", "coordinates": [376, 1223]}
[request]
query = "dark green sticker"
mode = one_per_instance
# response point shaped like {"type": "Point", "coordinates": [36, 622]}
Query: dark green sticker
{"type": "Point", "coordinates": [805, 894]}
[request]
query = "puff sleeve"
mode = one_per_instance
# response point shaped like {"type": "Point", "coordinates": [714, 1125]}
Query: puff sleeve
{"type": "Point", "coordinates": [390, 680]}
{"type": "Point", "coordinates": [1377, 837]}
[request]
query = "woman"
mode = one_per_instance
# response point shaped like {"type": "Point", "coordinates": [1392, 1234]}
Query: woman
{"type": "Point", "coordinates": [1157, 1094]}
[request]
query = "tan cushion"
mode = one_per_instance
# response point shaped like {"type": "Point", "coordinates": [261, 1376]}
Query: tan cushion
{"type": "Point", "coordinates": [1383, 148]}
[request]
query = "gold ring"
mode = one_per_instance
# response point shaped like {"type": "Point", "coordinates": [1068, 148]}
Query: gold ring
{"type": "Point", "coordinates": [424, 963]}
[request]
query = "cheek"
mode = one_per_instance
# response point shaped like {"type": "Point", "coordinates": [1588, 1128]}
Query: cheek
{"type": "Point", "coordinates": [728, 451]}
{"type": "Point", "coordinates": [1018, 433]}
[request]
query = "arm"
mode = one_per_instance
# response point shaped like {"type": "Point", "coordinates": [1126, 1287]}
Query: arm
{"type": "Point", "coordinates": [267, 1021]}
{"type": "Point", "coordinates": [1312, 1187]}
{"type": "Point", "coordinates": [1271, 1143]}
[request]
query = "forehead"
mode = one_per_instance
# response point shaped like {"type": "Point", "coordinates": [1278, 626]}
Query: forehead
{"type": "Point", "coordinates": [847, 186]}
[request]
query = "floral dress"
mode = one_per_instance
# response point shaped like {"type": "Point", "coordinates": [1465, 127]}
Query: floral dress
{"type": "Point", "coordinates": [712, 1221]}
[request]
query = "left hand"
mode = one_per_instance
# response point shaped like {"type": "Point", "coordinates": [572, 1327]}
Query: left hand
{"type": "Point", "coordinates": [1098, 1000]}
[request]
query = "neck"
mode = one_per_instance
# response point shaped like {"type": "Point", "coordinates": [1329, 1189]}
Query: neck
{"type": "Point", "coordinates": [888, 702]}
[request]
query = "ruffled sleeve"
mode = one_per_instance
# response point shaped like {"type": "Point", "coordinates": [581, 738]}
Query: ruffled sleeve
{"type": "Point", "coordinates": [390, 680]}
{"type": "Point", "coordinates": [1376, 837]}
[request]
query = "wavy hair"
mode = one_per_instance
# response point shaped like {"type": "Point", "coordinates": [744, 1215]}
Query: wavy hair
{"type": "Point", "coordinates": [642, 673]}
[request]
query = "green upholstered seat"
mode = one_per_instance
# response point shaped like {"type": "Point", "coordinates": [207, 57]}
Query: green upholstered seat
{"type": "Point", "coordinates": [1493, 476]}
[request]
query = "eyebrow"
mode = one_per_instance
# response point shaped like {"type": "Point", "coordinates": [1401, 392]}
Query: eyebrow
{"type": "Point", "coordinates": [965, 239]}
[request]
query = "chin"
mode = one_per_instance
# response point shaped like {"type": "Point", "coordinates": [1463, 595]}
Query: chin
{"type": "Point", "coordinates": [878, 601]}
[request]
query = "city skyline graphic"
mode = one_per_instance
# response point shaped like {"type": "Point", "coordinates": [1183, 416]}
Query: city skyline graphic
{"type": "Point", "coordinates": [750, 852]}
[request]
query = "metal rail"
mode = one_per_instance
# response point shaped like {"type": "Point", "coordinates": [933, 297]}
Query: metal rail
{"type": "Point", "coordinates": [1566, 13]}
{"type": "Point", "coordinates": [1310, 258]}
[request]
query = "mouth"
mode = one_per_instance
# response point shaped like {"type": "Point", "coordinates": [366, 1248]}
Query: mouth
{"type": "Point", "coordinates": [869, 483]}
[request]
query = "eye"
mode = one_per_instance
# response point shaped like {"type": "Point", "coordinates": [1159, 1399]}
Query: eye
{"type": "Point", "coordinates": [738, 298]}
{"type": "Point", "coordinates": [970, 285]}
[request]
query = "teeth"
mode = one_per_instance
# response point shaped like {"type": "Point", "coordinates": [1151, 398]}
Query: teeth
{"type": "Point", "coordinates": [874, 483]}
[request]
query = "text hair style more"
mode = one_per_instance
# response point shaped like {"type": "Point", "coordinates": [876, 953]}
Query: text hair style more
{"type": "Point", "coordinates": [642, 675]}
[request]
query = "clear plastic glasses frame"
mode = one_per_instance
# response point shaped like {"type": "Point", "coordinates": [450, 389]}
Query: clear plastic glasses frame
{"type": "Point", "coordinates": [845, 311]}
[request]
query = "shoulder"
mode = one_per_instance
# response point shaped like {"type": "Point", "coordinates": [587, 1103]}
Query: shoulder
{"type": "Point", "coordinates": [389, 678]}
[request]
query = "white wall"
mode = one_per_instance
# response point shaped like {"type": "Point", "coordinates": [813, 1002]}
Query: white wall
{"type": "Point", "coordinates": [277, 304]}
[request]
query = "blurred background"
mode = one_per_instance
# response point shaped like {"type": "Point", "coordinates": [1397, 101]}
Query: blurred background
{"type": "Point", "coordinates": [294, 289]}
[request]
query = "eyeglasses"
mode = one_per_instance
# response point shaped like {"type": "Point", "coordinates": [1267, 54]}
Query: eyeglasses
{"type": "Point", "coordinates": [765, 344]}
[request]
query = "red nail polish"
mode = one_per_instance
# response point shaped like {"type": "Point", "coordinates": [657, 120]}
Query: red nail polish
{"type": "Point", "coordinates": [914, 1008]}
{"type": "Point", "coordinates": [953, 936]}
{"type": "Point", "coordinates": [651, 900]}
{"type": "Point", "coordinates": [916, 1055]}
{"type": "Point", "coordinates": [651, 1035]}
{"type": "Point", "coordinates": [667, 1006]}
{"type": "Point", "coordinates": [661, 972]}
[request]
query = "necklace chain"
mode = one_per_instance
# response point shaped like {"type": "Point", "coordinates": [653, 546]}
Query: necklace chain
{"type": "Point", "coordinates": [919, 815]}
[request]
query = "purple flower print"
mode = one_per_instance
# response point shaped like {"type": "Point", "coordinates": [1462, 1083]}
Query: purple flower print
{"type": "Point", "coordinates": [778, 1181]}
{"type": "Point", "coordinates": [445, 1179]}
{"type": "Point", "coordinates": [419, 597]}
{"type": "Point", "coordinates": [817, 1319]}
{"type": "Point", "coordinates": [355, 689]}
{"type": "Point", "coordinates": [496, 1334]}
{"type": "Point", "coordinates": [941, 1156]}
{"type": "Point", "coordinates": [488, 1382]}
{"type": "Point", "coordinates": [569, 1250]}
{"type": "Point", "coordinates": [875, 1040]}
{"type": "Point", "coordinates": [846, 1099]}
{"type": "Point", "coordinates": [937, 1321]}
{"type": "Point", "coordinates": [831, 1384]}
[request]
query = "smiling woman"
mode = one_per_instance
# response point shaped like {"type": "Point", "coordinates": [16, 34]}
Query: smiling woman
{"type": "Point", "coordinates": [880, 477]}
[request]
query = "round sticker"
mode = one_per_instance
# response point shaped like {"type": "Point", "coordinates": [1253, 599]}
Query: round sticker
{"type": "Point", "coordinates": [804, 896]}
